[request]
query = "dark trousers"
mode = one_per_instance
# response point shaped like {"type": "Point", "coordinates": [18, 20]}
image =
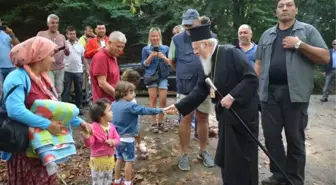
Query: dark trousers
{"type": "Point", "coordinates": [329, 78]}
{"type": "Point", "coordinates": [77, 79]}
{"type": "Point", "coordinates": [280, 113]}
{"type": "Point", "coordinates": [224, 182]}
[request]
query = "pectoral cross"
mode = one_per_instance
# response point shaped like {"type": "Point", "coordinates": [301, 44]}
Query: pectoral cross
{"type": "Point", "coordinates": [212, 93]}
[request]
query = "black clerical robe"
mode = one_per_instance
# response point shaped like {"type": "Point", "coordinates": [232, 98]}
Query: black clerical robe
{"type": "Point", "coordinates": [237, 152]}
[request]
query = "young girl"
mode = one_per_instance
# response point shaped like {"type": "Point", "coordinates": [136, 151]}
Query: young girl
{"type": "Point", "coordinates": [134, 77]}
{"type": "Point", "coordinates": [126, 120]}
{"type": "Point", "coordinates": [102, 142]}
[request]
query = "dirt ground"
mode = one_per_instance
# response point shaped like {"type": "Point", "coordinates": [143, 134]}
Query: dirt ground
{"type": "Point", "coordinates": [161, 165]}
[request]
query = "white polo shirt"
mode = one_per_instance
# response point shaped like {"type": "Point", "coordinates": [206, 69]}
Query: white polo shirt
{"type": "Point", "coordinates": [73, 63]}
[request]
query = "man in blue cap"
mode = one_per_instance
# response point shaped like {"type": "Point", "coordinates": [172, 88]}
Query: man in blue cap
{"type": "Point", "coordinates": [188, 70]}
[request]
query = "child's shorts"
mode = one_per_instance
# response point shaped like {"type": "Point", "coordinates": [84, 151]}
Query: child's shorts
{"type": "Point", "coordinates": [126, 151]}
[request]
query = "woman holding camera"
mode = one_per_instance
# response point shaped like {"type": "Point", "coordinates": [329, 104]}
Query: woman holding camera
{"type": "Point", "coordinates": [155, 59]}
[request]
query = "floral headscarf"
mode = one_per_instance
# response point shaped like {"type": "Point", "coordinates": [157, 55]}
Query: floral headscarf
{"type": "Point", "coordinates": [31, 51]}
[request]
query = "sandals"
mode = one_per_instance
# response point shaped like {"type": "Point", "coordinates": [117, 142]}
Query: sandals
{"type": "Point", "coordinates": [155, 128]}
{"type": "Point", "coordinates": [159, 126]}
{"type": "Point", "coordinates": [162, 127]}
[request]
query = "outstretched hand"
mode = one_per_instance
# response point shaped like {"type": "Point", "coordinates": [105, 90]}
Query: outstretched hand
{"type": "Point", "coordinates": [86, 128]}
{"type": "Point", "coordinates": [170, 110]}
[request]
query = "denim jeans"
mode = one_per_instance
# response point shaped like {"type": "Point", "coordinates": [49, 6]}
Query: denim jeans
{"type": "Point", "coordinates": [3, 74]}
{"type": "Point", "coordinates": [77, 79]}
{"type": "Point", "coordinates": [57, 80]}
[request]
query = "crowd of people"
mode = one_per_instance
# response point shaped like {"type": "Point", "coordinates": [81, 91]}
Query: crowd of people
{"type": "Point", "coordinates": [274, 78]}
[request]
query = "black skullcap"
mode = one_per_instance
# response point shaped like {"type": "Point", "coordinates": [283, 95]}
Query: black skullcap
{"type": "Point", "coordinates": [201, 32]}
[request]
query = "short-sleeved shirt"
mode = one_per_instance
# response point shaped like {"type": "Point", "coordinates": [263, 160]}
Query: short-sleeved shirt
{"type": "Point", "coordinates": [103, 64]}
{"type": "Point", "coordinates": [74, 62]}
{"type": "Point", "coordinates": [250, 54]}
{"type": "Point", "coordinates": [58, 39]}
{"type": "Point", "coordinates": [5, 48]}
{"type": "Point", "coordinates": [300, 69]}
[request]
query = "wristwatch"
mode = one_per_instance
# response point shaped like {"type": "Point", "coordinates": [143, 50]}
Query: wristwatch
{"type": "Point", "coordinates": [297, 45]}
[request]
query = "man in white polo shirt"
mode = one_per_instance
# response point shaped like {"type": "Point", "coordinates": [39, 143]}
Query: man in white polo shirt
{"type": "Point", "coordinates": [73, 67]}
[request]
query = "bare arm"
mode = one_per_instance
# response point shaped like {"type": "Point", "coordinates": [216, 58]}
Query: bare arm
{"type": "Point", "coordinates": [257, 67]}
{"type": "Point", "coordinates": [105, 85]}
{"type": "Point", "coordinates": [315, 48]}
{"type": "Point", "coordinates": [173, 64]}
{"type": "Point", "coordinates": [316, 54]}
{"type": "Point", "coordinates": [15, 40]}
{"type": "Point", "coordinates": [149, 59]}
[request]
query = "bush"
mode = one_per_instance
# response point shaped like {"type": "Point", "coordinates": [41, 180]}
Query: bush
{"type": "Point", "coordinates": [319, 82]}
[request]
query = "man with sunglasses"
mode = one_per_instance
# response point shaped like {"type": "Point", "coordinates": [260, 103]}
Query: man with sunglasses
{"type": "Point", "coordinates": [188, 70]}
{"type": "Point", "coordinates": [329, 72]}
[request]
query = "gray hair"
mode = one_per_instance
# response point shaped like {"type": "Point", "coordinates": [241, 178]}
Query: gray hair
{"type": "Point", "coordinates": [245, 26]}
{"type": "Point", "coordinates": [179, 27]}
{"type": "Point", "coordinates": [117, 36]}
{"type": "Point", "coordinates": [52, 16]}
{"type": "Point", "coordinates": [213, 41]}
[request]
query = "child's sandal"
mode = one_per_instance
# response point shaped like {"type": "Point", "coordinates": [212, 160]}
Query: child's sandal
{"type": "Point", "coordinates": [162, 127]}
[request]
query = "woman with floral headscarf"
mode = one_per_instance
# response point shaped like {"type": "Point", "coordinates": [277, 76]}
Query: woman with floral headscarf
{"type": "Point", "coordinates": [33, 58]}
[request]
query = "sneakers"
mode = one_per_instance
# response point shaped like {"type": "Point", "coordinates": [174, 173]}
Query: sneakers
{"type": "Point", "coordinates": [184, 163]}
{"type": "Point", "coordinates": [272, 181]}
{"type": "Point", "coordinates": [207, 159]}
{"type": "Point", "coordinates": [323, 99]}
{"type": "Point", "coordinates": [142, 147]}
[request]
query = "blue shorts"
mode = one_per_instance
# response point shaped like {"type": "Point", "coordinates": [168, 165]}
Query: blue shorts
{"type": "Point", "coordinates": [126, 151]}
{"type": "Point", "coordinates": [161, 84]}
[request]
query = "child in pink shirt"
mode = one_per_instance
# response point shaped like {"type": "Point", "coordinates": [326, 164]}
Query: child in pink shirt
{"type": "Point", "coordinates": [102, 142]}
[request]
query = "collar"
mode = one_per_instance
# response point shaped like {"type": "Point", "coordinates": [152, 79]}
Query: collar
{"type": "Point", "coordinates": [76, 41]}
{"type": "Point", "coordinates": [109, 55]}
{"type": "Point", "coordinates": [297, 26]}
{"type": "Point", "coordinates": [186, 37]}
{"type": "Point", "coordinates": [97, 38]}
{"type": "Point", "coordinates": [215, 51]}
{"type": "Point", "coordinates": [253, 47]}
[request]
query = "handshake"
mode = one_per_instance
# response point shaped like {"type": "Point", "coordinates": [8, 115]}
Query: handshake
{"type": "Point", "coordinates": [170, 110]}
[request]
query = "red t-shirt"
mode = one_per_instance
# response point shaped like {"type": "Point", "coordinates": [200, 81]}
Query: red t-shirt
{"type": "Point", "coordinates": [103, 64]}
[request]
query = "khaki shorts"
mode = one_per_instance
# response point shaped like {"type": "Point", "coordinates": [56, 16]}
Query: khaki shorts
{"type": "Point", "coordinates": [205, 106]}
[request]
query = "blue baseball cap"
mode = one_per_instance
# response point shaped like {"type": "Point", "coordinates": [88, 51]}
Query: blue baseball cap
{"type": "Point", "coordinates": [189, 16]}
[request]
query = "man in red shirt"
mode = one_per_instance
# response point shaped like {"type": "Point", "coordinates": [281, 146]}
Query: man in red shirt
{"type": "Point", "coordinates": [95, 44]}
{"type": "Point", "coordinates": [104, 69]}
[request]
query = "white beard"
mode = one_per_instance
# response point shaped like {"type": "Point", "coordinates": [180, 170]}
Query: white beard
{"type": "Point", "coordinates": [207, 65]}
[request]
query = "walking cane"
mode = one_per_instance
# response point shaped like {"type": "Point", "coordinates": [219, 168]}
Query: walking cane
{"type": "Point", "coordinates": [209, 82]}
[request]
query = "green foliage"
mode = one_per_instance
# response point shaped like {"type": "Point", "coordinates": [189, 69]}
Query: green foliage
{"type": "Point", "coordinates": [136, 17]}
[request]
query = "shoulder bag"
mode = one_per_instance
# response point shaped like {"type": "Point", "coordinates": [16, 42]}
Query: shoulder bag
{"type": "Point", "coordinates": [13, 134]}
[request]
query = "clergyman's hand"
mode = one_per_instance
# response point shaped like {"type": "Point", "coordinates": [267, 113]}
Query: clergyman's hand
{"type": "Point", "coordinates": [227, 101]}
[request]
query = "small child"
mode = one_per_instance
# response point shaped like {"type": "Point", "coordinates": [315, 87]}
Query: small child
{"type": "Point", "coordinates": [102, 142]}
{"type": "Point", "coordinates": [126, 120]}
{"type": "Point", "coordinates": [134, 77]}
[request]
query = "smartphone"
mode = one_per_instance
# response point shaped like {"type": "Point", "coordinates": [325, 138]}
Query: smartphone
{"type": "Point", "coordinates": [61, 48]}
{"type": "Point", "coordinates": [156, 49]}
{"type": "Point", "coordinates": [3, 28]}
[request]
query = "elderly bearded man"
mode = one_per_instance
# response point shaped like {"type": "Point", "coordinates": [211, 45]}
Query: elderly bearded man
{"type": "Point", "coordinates": [230, 71]}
